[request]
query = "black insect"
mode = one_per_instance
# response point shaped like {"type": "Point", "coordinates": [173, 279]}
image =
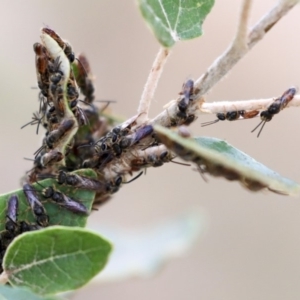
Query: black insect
{"type": "Point", "coordinates": [25, 226]}
{"type": "Point", "coordinates": [56, 91]}
{"type": "Point", "coordinates": [36, 206]}
{"type": "Point", "coordinates": [154, 159]}
{"type": "Point", "coordinates": [12, 226]}
{"type": "Point", "coordinates": [114, 185]}
{"type": "Point", "coordinates": [64, 45]}
{"type": "Point", "coordinates": [187, 95]}
{"type": "Point", "coordinates": [54, 136]}
{"type": "Point", "coordinates": [51, 120]}
{"type": "Point", "coordinates": [278, 105]}
{"type": "Point", "coordinates": [64, 201]}
{"type": "Point", "coordinates": [41, 64]}
{"type": "Point", "coordinates": [48, 158]}
{"type": "Point", "coordinates": [109, 146]}
{"type": "Point", "coordinates": [83, 78]}
{"type": "Point", "coordinates": [80, 182]}
{"type": "Point", "coordinates": [134, 138]}
{"type": "Point", "coordinates": [232, 116]}
{"type": "Point", "coordinates": [12, 215]}
{"type": "Point", "coordinates": [72, 91]}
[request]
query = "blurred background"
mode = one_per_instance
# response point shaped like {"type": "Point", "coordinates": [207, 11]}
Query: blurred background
{"type": "Point", "coordinates": [252, 242]}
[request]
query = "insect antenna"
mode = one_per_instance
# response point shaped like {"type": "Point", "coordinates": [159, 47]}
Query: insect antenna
{"type": "Point", "coordinates": [180, 163]}
{"type": "Point", "coordinates": [86, 103]}
{"type": "Point", "coordinates": [261, 128]}
{"type": "Point", "coordinates": [86, 145]}
{"type": "Point", "coordinates": [106, 105]}
{"type": "Point", "coordinates": [209, 123]}
{"type": "Point", "coordinates": [40, 185]}
{"type": "Point", "coordinates": [39, 150]}
{"type": "Point", "coordinates": [43, 103]}
{"type": "Point", "coordinates": [106, 159]}
{"type": "Point", "coordinates": [35, 120]}
{"type": "Point", "coordinates": [26, 158]}
{"type": "Point", "coordinates": [263, 123]}
{"type": "Point", "coordinates": [83, 114]}
{"type": "Point", "coordinates": [106, 101]}
{"type": "Point", "coordinates": [134, 178]}
{"type": "Point", "coordinates": [200, 170]}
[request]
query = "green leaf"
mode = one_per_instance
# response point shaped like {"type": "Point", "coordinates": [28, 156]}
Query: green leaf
{"type": "Point", "coordinates": [174, 20]}
{"type": "Point", "coordinates": [9, 293]}
{"type": "Point", "coordinates": [57, 214]}
{"type": "Point", "coordinates": [218, 158]}
{"type": "Point", "coordinates": [55, 259]}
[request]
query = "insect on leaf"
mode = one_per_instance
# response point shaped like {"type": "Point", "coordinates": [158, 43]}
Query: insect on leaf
{"type": "Point", "coordinates": [174, 20]}
{"type": "Point", "coordinates": [57, 214]}
{"type": "Point", "coordinates": [218, 158]}
{"type": "Point", "coordinates": [55, 259]}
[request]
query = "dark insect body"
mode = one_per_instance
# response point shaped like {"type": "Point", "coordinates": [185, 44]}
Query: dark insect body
{"type": "Point", "coordinates": [41, 64]}
{"type": "Point", "coordinates": [134, 138]}
{"type": "Point", "coordinates": [278, 105]}
{"type": "Point", "coordinates": [13, 227]}
{"type": "Point", "coordinates": [37, 207]}
{"type": "Point", "coordinates": [65, 201]}
{"type": "Point", "coordinates": [232, 116]}
{"type": "Point", "coordinates": [84, 79]}
{"type": "Point", "coordinates": [64, 45]}
{"type": "Point", "coordinates": [54, 136]}
{"type": "Point", "coordinates": [154, 156]}
{"type": "Point", "coordinates": [12, 215]}
{"type": "Point", "coordinates": [48, 158]}
{"type": "Point", "coordinates": [187, 96]}
{"type": "Point", "coordinates": [80, 182]}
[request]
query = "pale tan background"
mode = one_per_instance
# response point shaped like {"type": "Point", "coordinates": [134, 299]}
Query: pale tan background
{"type": "Point", "coordinates": [252, 247]}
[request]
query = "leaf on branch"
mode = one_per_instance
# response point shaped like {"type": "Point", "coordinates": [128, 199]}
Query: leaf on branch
{"type": "Point", "coordinates": [174, 20]}
{"type": "Point", "coordinates": [55, 259]}
{"type": "Point", "coordinates": [220, 159]}
{"type": "Point", "coordinates": [57, 214]}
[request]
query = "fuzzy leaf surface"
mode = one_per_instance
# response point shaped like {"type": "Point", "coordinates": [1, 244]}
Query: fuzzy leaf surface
{"type": "Point", "coordinates": [174, 20]}
{"type": "Point", "coordinates": [55, 259]}
{"type": "Point", "coordinates": [221, 159]}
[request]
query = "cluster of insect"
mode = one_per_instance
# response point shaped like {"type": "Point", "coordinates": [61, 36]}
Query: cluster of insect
{"type": "Point", "coordinates": [266, 115]}
{"type": "Point", "coordinates": [79, 135]}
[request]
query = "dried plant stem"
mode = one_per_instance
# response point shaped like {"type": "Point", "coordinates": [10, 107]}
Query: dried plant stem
{"type": "Point", "coordinates": [151, 84]}
{"type": "Point", "coordinates": [223, 64]}
{"type": "Point", "coordinates": [247, 105]}
{"type": "Point", "coordinates": [240, 40]}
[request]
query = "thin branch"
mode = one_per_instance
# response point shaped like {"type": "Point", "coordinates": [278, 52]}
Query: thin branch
{"type": "Point", "coordinates": [259, 30]}
{"type": "Point", "coordinates": [247, 105]}
{"type": "Point", "coordinates": [224, 63]}
{"type": "Point", "coordinates": [169, 117]}
{"type": "Point", "coordinates": [240, 40]}
{"type": "Point", "coordinates": [151, 84]}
